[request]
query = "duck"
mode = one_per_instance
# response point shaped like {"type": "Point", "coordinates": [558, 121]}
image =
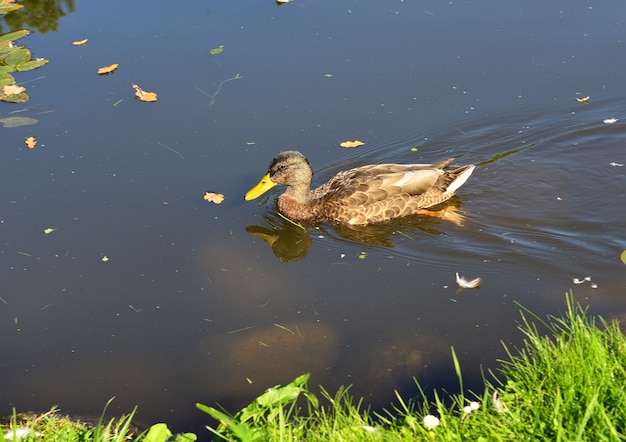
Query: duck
{"type": "Point", "coordinates": [364, 195]}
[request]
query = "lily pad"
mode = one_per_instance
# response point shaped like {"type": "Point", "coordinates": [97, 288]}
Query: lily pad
{"type": "Point", "coordinates": [18, 121]}
{"type": "Point", "coordinates": [32, 64]}
{"type": "Point", "coordinates": [6, 79]}
{"type": "Point", "coordinates": [9, 7]}
{"type": "Point", "coordinates": [15, 35]}
{"type": "Point", "coordinates": [22, 97]}
{"type": "Point", "coordinates": [18, 56]}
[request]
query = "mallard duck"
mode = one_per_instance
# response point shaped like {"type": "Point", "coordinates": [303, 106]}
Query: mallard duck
{"type": "Point", "coordinates": [367, 194]}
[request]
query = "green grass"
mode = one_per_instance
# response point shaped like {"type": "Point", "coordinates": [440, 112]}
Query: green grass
{"type": "Point", "coordinates": [568, 384]}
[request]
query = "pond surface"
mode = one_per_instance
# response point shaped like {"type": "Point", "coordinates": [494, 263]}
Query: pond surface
{"type": "Point", "coordinates": [193, 305]}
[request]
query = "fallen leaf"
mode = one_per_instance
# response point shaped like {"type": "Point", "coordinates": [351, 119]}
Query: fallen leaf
{"type": "Point", "coordinates": [108, 69]}
{"type": "Point", "coordinates": [622, 257]}
{"type": "Point", "coordinates": [583, 99]}
{"type": "Point", "coordinates": [355, 143]}
{"type": "Point", "coordinates": [140, 94]}
{"type": "Point", "coordinates": [80, 42]}
{"type": "Point", "coordinates": [31, 142]}
{"type": "Point", "coordinates": [105, 258]}
{"type": "Point", "coordinates": [12, 89]}
{"type": "Point", "coordinates": [465, 284]}
{"type": "Point", "coordinates": [213, 197]}
{"type": "Point", "coordinates": [49, 230]}
{"type": "Point", "coordinates": [217, 50]}
{"type": "Point", "coordinates": [614, 164]}
{"type": "Point", "coordinates": [610, 120]}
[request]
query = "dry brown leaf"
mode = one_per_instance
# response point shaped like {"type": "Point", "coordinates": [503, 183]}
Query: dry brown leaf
{"type": "Point", "coordinates": [355, 143]}
{"type": "Point", "coordinates": [583, 99]}
{"type": "Point", "coordinates": [31, 142]}
{"type": "Point", "coordinates": [144, 96]}
{"type": "Point", "coordinates": [80, 42]}
{"type": "Point", "coordinates": [213, 197]}
{"type": "Point", "coordinates": [108, 69]}
{"type": "Point", "coordinates": [12, 89]}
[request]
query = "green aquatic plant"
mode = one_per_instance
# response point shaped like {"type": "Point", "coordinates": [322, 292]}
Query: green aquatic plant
{"type": "Point", "coordinates": [14, 58]}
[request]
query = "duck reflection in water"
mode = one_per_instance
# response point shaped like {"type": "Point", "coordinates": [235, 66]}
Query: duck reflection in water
{"type": "Point", "coordinates": [291, 241]}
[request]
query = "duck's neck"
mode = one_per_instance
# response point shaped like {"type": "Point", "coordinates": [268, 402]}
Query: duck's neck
{"type": "Point", "coordinates": [295, 203]}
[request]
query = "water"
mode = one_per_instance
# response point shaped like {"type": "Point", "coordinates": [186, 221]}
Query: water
{"type": "Point", "coordinates": [191, 306]}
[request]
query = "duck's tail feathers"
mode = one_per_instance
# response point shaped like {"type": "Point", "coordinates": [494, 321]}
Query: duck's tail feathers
{"type": "Point", "coordinates": [462, 174]}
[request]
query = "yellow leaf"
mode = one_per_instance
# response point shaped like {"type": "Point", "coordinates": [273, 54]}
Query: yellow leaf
{"type": "Point", "coordinates": [212, 197]}
{"type": "Point", "coordinates": [80, 42]}
{"type": "Point", "coordinates": [355, 143]}
{"type": "Point", "coordinates": [31, 142]}
{"type": "Point", "coordinates": [140, 94]}
{"type": "Point", "coordinates": [583, 99]}
{"type": "Point", "coordinates": [217, 50]}
{"type": "Point", "coordinates": [108, 69]}
{"type": "Point", "coordinates": [12, 89]}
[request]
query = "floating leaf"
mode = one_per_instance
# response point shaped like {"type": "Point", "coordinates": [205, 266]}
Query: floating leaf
{"type": "Point", "coordinates": [15, 35]}
{"type": "Point", "coordinates": [17, 121]}
{"type": "Point", "coordinates": [212, 197]}
{"type": "Point", "coordinates": [465, 284]}
{"type": "Point", "coordinates": [31, 142]}
{"type": "Point", "coordinates": [108, 69]}
{"type": "Point", "coordinates": [622, 257]}
{"type": "Point", "coordinates": [140, 94]}
{"type": "Point", "coordinates": [32, 64]}
{"type": "Point", "coordinates": [105, 258]}
{"type": "Point", "coordinates": [12, 89]}
{"type": "Point", "coordinates": [14, 98]}
{"type": "Point", "coordinates": [80, 42]}
{"type": "Point", "coordinates": [614, 164]}
{"type": "Point", "coordinates": [355, 143]}
{"type": "Point", "coordinates": [610, 120]}
{"type": "Point", "coordinates": [18, 56]}
{"type": "Point", "coordinates": [5, 8]}
{"type": "Point", "coordinates": [6, 79]}
{"type": "Point", "coordinates": [583, 99]}
{"type": "Point", "coordinates": [328, 75]}
{"type": "Point", "coordinates": [217, 50]}
{"type": "Point", "coordinates": [49, 230]}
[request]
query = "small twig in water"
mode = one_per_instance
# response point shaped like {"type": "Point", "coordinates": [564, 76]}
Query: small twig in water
{"type": "Point", "coordinates": [282, 327]}
{"type": "Point", "coordinates": [171, 149]}
{"type": "Point", "coordinates": [219, 88]}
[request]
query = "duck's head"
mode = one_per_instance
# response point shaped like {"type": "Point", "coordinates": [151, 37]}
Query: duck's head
{"type": "Point", "coordinates": [290, 168]}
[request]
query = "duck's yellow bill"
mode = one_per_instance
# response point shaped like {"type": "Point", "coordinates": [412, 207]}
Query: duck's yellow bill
{"type": "Point", "coordinates": [264, 185]}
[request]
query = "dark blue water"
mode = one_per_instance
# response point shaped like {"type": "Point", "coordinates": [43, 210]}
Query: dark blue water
{"type": "Point", "coordinates": [191, 307]}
